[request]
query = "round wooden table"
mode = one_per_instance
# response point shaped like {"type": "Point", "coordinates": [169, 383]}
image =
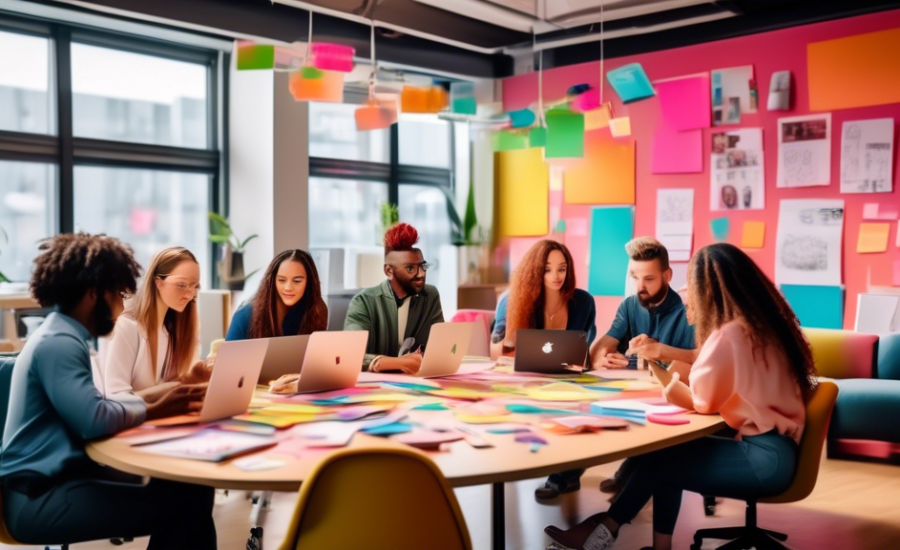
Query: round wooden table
{"type": "Point", "coordinates": [460, 463]}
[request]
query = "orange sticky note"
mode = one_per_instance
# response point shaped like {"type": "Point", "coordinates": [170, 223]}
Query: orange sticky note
{"type": "Point", "coordinates": [311, 84]}
{"type": "Point", "coordinates": [856, 71]}
{"type": "Point", "coordinates": [423, 100]}
{"type": "Point", "coordinates": [606, 173]}
{"type": "Point", "coordinates": [873, 237]}
{"type": "Point", "coordinates": [523, 193]}
{"type": "Point", "coordinates": [754, 235]}
{"type": "Point", "coordinates": [620, 127]}
{"type": "Point", "coordinates": [598, 118]}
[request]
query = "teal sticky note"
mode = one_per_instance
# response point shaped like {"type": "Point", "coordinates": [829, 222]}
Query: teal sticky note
{"type": "Point", "coordinates": [630, 82]}
{"type": "Point", "coordinates": [462, 98]}
{"type": "Point", "coordinates": [431, 407]}
{"type": "Point", "coordinates": [560, 226]}
{"type": "Point", "coordinates": [390, 429]}
{"type": "Point", "coordinates": [522, 118]}
{"type": "Point", "coordinates": [719, 228]}
{"type": "Point", "coordinates": [537, 137]}
{"type": "Point", "coordinates": [611, 229]}
{"type": "Point", "coordinates": [565, 134]}
{"type": "Point", "coordinates": [816, 306]}
{"type": "Point", "coordinates": [510, 141]}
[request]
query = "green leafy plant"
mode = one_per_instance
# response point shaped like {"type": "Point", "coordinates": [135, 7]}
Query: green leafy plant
{"type": "Point", "coordinates": [389, 215]}
{"type": "Point", "coordinates": [220, 232]}
{"type": "Point", "coordinates": [464, 231]}
{"type": "Point", "coordinates": [4, 238]}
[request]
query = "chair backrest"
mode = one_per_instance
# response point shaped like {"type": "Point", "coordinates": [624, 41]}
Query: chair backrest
{"type": "Point", "coordinates": [378, 499]}
{"type": "Point", "coordinates": [481, 339]}
{"type": "Point", "coordinates": [843, 353]}
{"type": "Point", "coordinates": [809, 455]}
{"type": "Point", "coordinates": [6, 367]}
{"type": "Point", "coordinates": [888, 357]}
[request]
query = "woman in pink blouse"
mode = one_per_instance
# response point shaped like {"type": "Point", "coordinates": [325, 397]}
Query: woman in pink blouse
{"type": "Point", "coordinates": [755, 369]}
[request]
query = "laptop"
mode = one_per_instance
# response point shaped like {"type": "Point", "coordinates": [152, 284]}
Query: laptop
{"type": "Point", "coordinates": [550, 351]}
{"type": "Point", "coordinates": [447, 344]}
{"type": "Point", "coordinates": [333, 360]}
{"type": "Point", "coordinates": [234, 378]}
{"type": "Point", "coordinates": [284, 356]}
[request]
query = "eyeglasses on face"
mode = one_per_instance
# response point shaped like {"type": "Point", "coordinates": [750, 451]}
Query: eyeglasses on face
{"type": "Point", "coordinates": [413, 269]}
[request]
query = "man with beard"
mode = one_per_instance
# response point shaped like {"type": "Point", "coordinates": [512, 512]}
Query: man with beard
{"type": "Point", "coordinates": [52, 492]}
{"type": "Point", "coordinates": [399, 312]}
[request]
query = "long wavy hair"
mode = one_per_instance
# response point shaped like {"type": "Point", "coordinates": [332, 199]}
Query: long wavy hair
{"type": "Point", "coordinates": [724, 284]}
{"type": "Point", "coordinates": [264, 321]}
{"type": "Point", "coordinates": [182, 327]}
{"type": "Point", "coordinates": [526, 291]}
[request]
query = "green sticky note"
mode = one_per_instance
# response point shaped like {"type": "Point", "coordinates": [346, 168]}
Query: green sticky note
{"type": "Point", "coordinates": [565, 134]}
{"type": "Point", "coordinates": [311, 73]}
{"type": "Point", "coordinates": [510, 141]}
{"type": "Point", "coordinates": [465, 106]}
{"type": "Point", "coordinates": [611, 228]}
{"type": "Point", "coordinates": [816, 306]}
{"type": "Point", "coordinates": [560, 226]}
{"type": "Point", "coordinates": [255, 56]}
{"type": "Point", "coordinates": [719, 227]}
{"type": "Point", "coordinates": [537, 137]}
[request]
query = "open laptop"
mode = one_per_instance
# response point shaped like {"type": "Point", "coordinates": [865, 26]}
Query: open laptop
{"type": "Point", "coordinates": [333, 360]}
{"type": "Point", "coordinates": [550, 351]}
{"type": "Point", "coordinates": [284, 356]}
{"type": "Point", "coordinates": [234, 378]}
{"type": "Point", "coordinates": [447, 344]}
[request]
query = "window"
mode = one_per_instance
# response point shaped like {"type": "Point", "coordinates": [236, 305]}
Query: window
{"type": "Point", "coordinates": [105, 132]}
{"type": "Point", "coordinates": [347, 212]}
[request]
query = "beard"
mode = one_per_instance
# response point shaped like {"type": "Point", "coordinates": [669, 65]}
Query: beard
{"type": "Point", "coordinates": [646, 300]}
{"type": "Point", "coordinates": [408, 287]}
{"type": "Point", "coordinates": [103, 317]}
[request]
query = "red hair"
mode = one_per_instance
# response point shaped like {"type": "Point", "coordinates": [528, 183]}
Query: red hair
{"type": "Point", "coordinates": [401, 237]}
{"type": "Point", "coordinates": [526, 289]}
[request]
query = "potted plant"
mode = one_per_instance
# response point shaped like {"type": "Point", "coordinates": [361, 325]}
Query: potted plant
{"type": "Point", "coordinates": [389, 216]}
{"type": "Point", "coordinates": [231, 256]}
{"type": "Point", "coordinates": [469, 238]}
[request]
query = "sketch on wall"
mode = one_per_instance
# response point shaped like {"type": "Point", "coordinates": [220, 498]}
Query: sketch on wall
{"type": "Point", "coordinates": [808, 249]}
{"type": "Point", "coordinates": [867, 153]}
{"type": "Point", "coordinates": [737, 171]}
{"type": "Point", "coordinates": [675, 222]}
{"type": "Point", "coordinates": [804, 151]}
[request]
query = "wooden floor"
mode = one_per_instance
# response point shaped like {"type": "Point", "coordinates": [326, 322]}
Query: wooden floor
{"type": "Point", "coordinates": [856, 506]}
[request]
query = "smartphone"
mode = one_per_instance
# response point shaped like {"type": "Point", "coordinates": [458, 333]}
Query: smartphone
{"type": "Point", "coordinates": [660, 372]}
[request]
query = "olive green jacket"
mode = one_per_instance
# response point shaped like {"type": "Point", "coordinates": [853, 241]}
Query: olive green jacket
{"type": "Point", "coordinates": [375, 310]}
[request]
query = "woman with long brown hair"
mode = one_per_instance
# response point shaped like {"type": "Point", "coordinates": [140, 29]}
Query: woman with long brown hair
{"type": "Point", "coordinates": [288, 302]}
{"type": "Point", "coordinates": [542, 295]}
{"type": "Point", "coordinates": [156, 340]}
{"type": "Point", "coordinates": [755, 369]}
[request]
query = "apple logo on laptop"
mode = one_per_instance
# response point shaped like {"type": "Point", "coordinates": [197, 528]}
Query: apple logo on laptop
{"type": "Point", "coordinates": [548, 347]}
{"type": "Point", "coordinates": [337, 360]}
{"type": "Point", "coordinates": [453, 351]}
{"type": "Point", "coordinates": [241, 382]}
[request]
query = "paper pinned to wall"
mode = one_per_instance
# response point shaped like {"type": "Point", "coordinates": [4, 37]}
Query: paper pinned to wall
{"type": "Point", "coordinates": [754, 235]}
{"type": "Point", "coordinates": [732, 94]}
{"type": "Point", "coordinates": [873, 237]}
{"type": "Point", "coordinates": [523, 180]}
{"type": "Point", "coordinates": [804, 150]}
{"type": "Point", "coordinates": [867, 156]}
{"type": "Point", "coordinates": [780, 91]}
{"type": "Point", "coordinates": [816, 306]}
{"type": "Point", "coordinates": [677, 152]}
{"type": "Point", "coordinates": [611, 228]}
{"type": "Point", "coordinates": [878, 313]}
{"type": "Point", "coordinates": [808, 247]}
{"type": "Point", "coordinates": [685, 101]}
{"type": "Point", "coordinates": [675, 222]}
{"type": "Point", "coordinates": [873, 211]}
{"type": "Point", "coordinates": [606, 173]}
{"type": "Point", "coordinates": [737, 171]}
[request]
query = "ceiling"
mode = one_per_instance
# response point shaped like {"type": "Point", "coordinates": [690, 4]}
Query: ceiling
{"type": "Point", "coordinates": [482, 38]}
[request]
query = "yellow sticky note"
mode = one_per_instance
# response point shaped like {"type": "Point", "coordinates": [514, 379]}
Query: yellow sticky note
{"type": "Point", "coordinates": [873, 237]}
{"type": "Point", "coordinates": [523, 193]}
{"type": "Point", "coordinates": [597, 118]}
{"type": "Point", "coordinates": [471, 419]}
{"type": "Point", "coordinates": [754, 235]}
{"type": "Point", "coordinates": [606, 173]}
{"type": "Point", "coordinates": [620, 127]}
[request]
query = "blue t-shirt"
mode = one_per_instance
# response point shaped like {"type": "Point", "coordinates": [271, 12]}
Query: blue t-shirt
{"type": "Point", "coordinates": [582, 314]}
{"type": "Point", "coordinates": [240, 323]}
{"type": "Point", "coordinates": [666, 323]}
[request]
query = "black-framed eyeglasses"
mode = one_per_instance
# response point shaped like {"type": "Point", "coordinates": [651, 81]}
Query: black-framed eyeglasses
{"type": "Point", "coordinates": [413, 269]}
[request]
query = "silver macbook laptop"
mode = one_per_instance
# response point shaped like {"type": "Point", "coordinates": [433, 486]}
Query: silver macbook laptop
{"type": "Point", "coordinates": [284, 356]}
{"type": "Point", "coordinates": [234, 378]}
{"type": "Point", "coordinates": [333, 360]}
{"type": "Point", "coordinates": [550, 351]}
{"type": "Point", "coordinates": [447, 344]}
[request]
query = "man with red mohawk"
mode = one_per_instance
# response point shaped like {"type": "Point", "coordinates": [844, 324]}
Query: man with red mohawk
{"type": "Point", "coordinates": [399, 312]}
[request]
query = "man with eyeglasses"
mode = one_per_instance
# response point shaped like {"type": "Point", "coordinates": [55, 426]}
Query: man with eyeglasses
{"type": "Point", "coordinates": [399, 312]}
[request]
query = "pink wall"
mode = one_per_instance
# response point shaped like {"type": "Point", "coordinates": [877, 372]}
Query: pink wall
{"type": "Point", "coordinates": [768, 52]}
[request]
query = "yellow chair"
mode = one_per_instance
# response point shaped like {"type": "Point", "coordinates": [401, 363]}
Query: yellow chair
{"type": "Point", "coordinates": [809, 457]}
{"type": "Point", "coordinates": [377, 499]}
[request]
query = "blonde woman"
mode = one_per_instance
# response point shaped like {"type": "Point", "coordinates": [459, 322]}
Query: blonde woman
{"type": "Point", "coordinates": [155, 343]}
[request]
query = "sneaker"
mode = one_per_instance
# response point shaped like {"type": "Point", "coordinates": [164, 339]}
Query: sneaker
{"type": "Point", "coordinates": [600, 539]}
{"type": "Point", "coordinates": [611, 485]}
{"type": "Point", "coordinates": [551, 489]}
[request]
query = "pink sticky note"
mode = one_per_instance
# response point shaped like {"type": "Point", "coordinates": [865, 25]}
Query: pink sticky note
{"type": "Point", "coordinates": [577, 227]}
{"type": "Point", "coordinates": [870, 211]}
{"type": "Point", "coordinates": [896, 281]}
{"type": "Point", "coordinates": [588, 101]}
{"type": "Point", "coordinates": [685, 102]}
{"type": "Point", "coordinates": [677, 152]}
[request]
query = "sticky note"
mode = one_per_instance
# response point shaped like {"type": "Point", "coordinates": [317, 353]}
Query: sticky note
{"type": "Point", "coordinates": [375, 115]}
{"type": "Point", "coordinates": [754, 234]}
{"type": "Point", "coordinates": [523, 187]}
{"type": "Point", "coordinates": [719, 228]}
{"type": "Point", "coordinates": [873, 211]}
{"type": "Point", "coordinates": [521, 118]}
{"type": "Point", "coordinates": [620, 127]}
{"type": "Point", "coordinates": [611, 229]}
{"type": "Point", "coordinates": [816, 306]}
{"type": "Point", "coordinates": [606, 173]}
{"type": "Point", "coordinates": [586, 101]}
{"type": "Point", "coordinates": [873, 237]}
{"type": "Point", "coordinates": [462, 98]}
{"type": "Point", "coordinates": [565, 134]}
{"type": "Point", "coordinates": [856, 71]}
{"type": "Point", "coordinates": [537, 137]}
{"type": "Point", "coordinates": [685, 102]}
{"type": "Point", "coordinates": [332, 57]}
{"type": "Point", "coordinates": [896, 279]}
{"type": "Point", "coordinates": [251, 56]}
{"type": "Point", "coordinates": [630, 82]}
{"type": "Point", "coordinates": [311, 84]}
{"type": "Point", "coordinates": [423, 100]}
{"type": "Point", "coordinates": [510, 140]}
{"type": "Point", "coordinates": [677, 152]}
{"type": "Point", "coordinates": [599, 118]}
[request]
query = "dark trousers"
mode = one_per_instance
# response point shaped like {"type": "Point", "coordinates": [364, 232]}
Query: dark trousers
{"type": "Point", "coordinates": [758, 466]}
{"type": "Point", "coordinates": [175, 515]}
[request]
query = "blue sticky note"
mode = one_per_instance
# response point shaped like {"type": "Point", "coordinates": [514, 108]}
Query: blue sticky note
{"type": "Point", "coordinates": [522, 118]}
{"type": "Point", "coordinates": [611, 229]}
{"type": "Point", "coordinates": [390, 429]}
{"type": "Point", "coordinates": [630, 82]}
{"type": "Point", "coordinates": [719, 227]}
{"type": "Point", "coordinates": [816, 306]}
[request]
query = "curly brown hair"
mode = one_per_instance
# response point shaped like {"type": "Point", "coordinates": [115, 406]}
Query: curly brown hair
{"type": "Point", "coordinates": [526, 289]}
{"type": "Point", "coordinates": [72, 264]}
{"type": "Point", "coordinates": [263, 322]}
{"type": "Point", "coordinates": [724, 285]}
